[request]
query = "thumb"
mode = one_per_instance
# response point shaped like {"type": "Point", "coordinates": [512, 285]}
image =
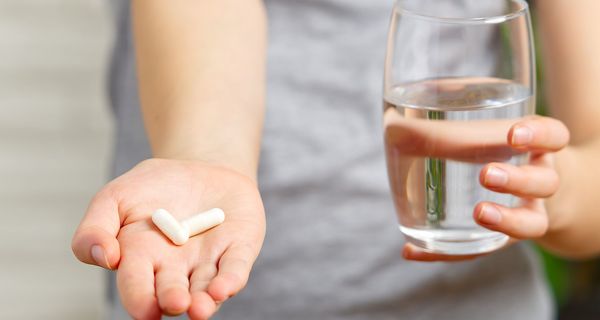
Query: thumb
{"type": "Point", "coordinates": [95, 241]}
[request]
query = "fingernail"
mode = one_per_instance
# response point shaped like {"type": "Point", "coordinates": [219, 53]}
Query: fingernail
{"type": "Point", "coordinates": [495, 177]}
{"type": "Point", "coordinates": [489, 215]}
{"type": "Point", "coordinates": [99, 256]}
{"type": "Point", "coordinates": [522, 136]}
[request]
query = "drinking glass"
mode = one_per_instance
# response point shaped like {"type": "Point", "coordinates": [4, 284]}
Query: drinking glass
{"type": "Point", "coordinates": [458, 74]}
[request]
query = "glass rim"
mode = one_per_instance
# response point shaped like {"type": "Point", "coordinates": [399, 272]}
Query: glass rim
{"type": "Point", "coordinates": [521, 11]}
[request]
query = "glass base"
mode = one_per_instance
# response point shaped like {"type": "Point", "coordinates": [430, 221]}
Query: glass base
{"type": "Point", "coordinates": [455, 242]}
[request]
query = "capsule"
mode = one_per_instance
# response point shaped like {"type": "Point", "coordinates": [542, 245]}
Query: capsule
{"type": "Point", "coordinates": [180, 232]}
{"type": "Point", "coordinates": [203, 221]}
{"type": "Point", "coordinates": [170, 227]}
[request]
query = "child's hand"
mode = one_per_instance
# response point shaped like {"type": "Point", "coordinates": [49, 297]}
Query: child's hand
{"type": "Point", "coordinates": [154, 276]}
{"type": "Point", "coordinates": [534, 183]}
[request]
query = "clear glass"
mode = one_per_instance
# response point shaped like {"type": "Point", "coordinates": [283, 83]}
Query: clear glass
{"type": "Point", "coordinates": [458, 74]}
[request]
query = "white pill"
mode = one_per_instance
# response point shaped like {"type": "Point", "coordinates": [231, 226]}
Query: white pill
{"type": "Point", "coordinates": [170, 226]}
{"type": "Point", "coordinates": [203, 221]}
{"type": "Point", "coordinates": [178, 232]}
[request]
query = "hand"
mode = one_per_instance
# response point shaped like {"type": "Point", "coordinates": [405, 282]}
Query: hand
{"type": "Point", "coordinates": [154, 276]}
{"type": "Point", "coordinates": [534, 182]}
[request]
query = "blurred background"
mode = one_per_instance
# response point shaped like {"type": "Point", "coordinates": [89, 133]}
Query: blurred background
{"type": "Point", "coordinates": [55, 135]}
{"type": "Point", "coordinates": [54, 153]}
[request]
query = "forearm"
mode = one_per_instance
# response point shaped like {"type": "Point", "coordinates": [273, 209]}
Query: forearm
{"type": "Point", "coordinates": [201, 79]}
{"type": "Point", "coordinates": [570, 51]}
{"type": "Point", "coordinates": [572, 73]}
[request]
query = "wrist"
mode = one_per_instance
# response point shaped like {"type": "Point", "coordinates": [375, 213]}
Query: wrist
{"type": "Point", "coordinates": [242, 164]}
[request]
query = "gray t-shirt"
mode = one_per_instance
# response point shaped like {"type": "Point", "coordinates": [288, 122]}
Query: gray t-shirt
{"type": "Point", "coordinates": [332, 249]}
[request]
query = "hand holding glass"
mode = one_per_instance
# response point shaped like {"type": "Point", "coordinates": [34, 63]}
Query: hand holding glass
{"type": "Point", "coordinates": [454, 85]}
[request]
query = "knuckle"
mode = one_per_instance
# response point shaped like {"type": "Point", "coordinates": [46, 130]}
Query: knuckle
{"type": "Point", "coordinates": [538, 225]}
{"type": "Point", "coordinates": [550, 184]}
{"type": "Point", "coordinates": [237, 278]}
{"type": "Point", "coordinates": [553, 181]}
{"type": "Point", "coordinates": [541, 230]}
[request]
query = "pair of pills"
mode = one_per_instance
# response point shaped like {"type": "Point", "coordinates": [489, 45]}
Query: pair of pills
{"type": "Point", "coordinates": [180, 231]}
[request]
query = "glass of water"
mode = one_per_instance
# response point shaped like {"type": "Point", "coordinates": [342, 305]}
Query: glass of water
{"type": "Point", "coordinates": [458, 74]}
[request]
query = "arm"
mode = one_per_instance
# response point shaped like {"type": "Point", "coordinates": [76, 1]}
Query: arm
{"type": "Point", "coordinates": [571, 49]}
{"type": "Point", "coordinates": [201, 80]}
{"type": "Point", "coordinates": [201, 77]}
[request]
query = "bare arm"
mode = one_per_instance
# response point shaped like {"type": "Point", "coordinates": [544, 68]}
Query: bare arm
{"type": "Point", "coordinates": [201, 77]}
{"type": "Point", "coordinates": [571, 48]}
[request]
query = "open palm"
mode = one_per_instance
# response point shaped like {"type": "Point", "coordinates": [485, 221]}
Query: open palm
{"type": "Point", "coordinates": [155, 276]}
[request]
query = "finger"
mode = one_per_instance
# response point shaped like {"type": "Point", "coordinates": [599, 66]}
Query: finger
{"type": "Point", "coordinates": [203, 306]}
{"type": "Point", "coordinates": [476, 141]}
{"type": "Point", "coordinates": [539, 133]}
{"type": "Point", "coordinates": [173, 289]}
{"type": "Point", "coordinates": [522, 222]}
{"type": "Point", "coordinates": [412, 252]}
{"type": "Point", "coordinates": [135, 281]}
{"type": "Point", "coordinates": [524, 181]}
{"type": "Point", "coordinates": [95, 240]}
{"type": "Point", "coordinates": [233, 273]}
